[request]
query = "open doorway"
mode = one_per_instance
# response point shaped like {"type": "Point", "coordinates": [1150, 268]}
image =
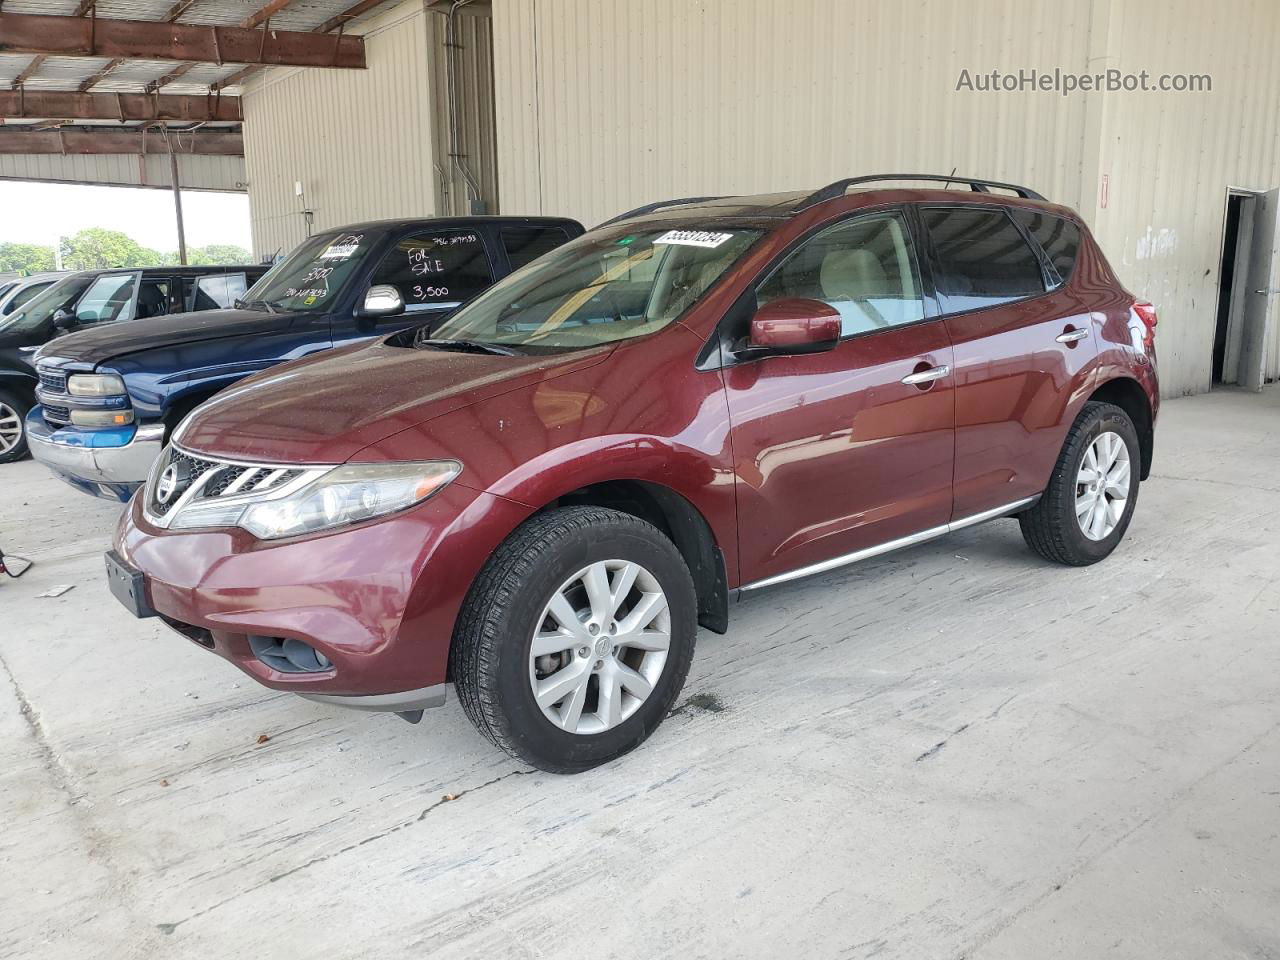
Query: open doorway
{"type": "Point", "coordinates": [1245, 317]}
{"type": "Point", "coordinates": [1227, 270]}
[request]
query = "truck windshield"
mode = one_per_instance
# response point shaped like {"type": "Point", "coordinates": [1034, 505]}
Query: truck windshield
{"type": "Point", "coordinates": [312, 276]}
{"type": "Point", "coordinates": [601, 288]}
{"type": "Point", "coordinates": [37, 316]}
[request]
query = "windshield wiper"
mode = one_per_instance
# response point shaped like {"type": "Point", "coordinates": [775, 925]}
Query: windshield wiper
{"type": "Point", "coordinates": [256, 304]}
{"type": "Point", "coordinates": [467, 346]}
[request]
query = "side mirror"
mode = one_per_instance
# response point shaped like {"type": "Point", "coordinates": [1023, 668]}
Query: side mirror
{"type": "Point", "coordinates": [382, 300]}
{"type": "Point", "coordinates": [64, 321]}
{"type": "Point", "coordinates": [794, 325]}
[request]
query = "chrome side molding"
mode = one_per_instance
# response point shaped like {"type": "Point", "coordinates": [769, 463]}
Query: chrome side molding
{"type": "Point", "coordinates": [908, 541]}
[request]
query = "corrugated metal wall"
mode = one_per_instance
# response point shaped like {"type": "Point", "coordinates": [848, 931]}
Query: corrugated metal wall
{"type": "Point", "coordinates": [606, 105]}
{"type": "Point", "coordinates": [475, 111]}
{"type": "Point", "coordinates": [360, 141]}
{"type": "Point", "coordinates": [1169, 158]}
{"type": "Point", "coordinates": [196, 173]}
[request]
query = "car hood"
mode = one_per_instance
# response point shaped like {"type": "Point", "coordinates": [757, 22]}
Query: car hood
{"type": "Point", "coordinates": [99, 344]}
{"type": "Point", "coordinates": [327, 408]}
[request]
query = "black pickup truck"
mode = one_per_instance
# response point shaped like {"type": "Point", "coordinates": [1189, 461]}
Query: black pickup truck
{"type": "Point", "coordinates": [110, 397]}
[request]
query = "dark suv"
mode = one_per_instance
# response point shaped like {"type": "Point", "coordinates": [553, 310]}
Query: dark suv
{"type": "Point", "coordinates": [93, 298]}
{"type": "Point", "coordinates": [541, 500]}
{"type": "Point", "coordinates": [110, 397]}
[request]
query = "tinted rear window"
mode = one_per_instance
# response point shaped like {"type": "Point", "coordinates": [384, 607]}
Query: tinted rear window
{"type": "Point", "coordinates": [526, 244]}
{"type": "Point", "coordinates": [982, 259]}
{"type": "Point", "coordinates": [1060, 239]}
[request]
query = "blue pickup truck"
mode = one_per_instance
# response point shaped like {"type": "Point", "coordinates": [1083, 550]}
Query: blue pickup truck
{"type": "Point", "coordinates": [110, 397]}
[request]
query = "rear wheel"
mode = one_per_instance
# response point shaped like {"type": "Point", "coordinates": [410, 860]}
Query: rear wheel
{"type": "Point", "coordinates": [576, 638]}
{"type": "Point", "coordinates": [1086, 509]}
{"type": "Point", "coordinates": [13, 428]}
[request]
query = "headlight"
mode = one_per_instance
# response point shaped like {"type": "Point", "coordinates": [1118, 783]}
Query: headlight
{"type": "Point", "coordinates": [95, 385]}
{"type": "Point", "coordinates": [101, 418]}
{"type": "Point", "coordinates": [349, 494]}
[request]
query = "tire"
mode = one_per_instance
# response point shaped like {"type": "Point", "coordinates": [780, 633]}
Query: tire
{"type": "Point", "coordinates": [492, 660]}
{"type": "Point", "coordinates": [13, 404]}
{"type": "Point", "coordinates": [1051, 527]}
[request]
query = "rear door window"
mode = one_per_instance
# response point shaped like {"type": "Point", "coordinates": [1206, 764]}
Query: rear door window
{"type": "Point", "coordinates": [439, 269]}
{"type": "Point", "coordinates": [526, 244]}
{"type": "Point", "coordinates": [981, 259]}
{"type": "Point", "coordinates": [1059, 238]}
{"type": "Point", "coordinates": [219, 291]}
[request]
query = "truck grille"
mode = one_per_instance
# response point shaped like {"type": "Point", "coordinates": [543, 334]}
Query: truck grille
{"type": "Point", "coordinates": [210, 478]}
{"type": "Point", "coordinates": [53, 381]}
{"type": "Point", "coordinates": [56, 414]}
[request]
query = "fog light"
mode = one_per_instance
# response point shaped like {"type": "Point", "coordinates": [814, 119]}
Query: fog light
{"type": "Point", "coordinates": [102, 418]}
{"type": "Point", "coordinates": [287, 655]}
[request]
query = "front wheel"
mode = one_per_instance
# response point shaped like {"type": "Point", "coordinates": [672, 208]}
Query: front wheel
{"type": "Point", "coordinates": [13, 427]}
{"type": "Point", "coordinates": [1086, 509]}
{"type": "Point", "coordinates": [576, 638]}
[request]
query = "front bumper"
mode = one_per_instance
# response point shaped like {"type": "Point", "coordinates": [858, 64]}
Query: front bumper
{"type": "Point", "coordinates": [378, 600]}
{"type": "Point", "coordinates": [104, 463]}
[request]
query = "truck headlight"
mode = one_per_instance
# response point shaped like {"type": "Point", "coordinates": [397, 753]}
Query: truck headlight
{"type": "Point", "coordinates": [343, 495]}
{"type": "Point", "coordinates": [95, 385]}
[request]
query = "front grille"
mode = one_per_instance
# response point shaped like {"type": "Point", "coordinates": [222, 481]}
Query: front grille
{"type": "Point", "coordinates": [53, 381]}
{"type": "Point", "coordinates": [211, 478]}
{"type": "Point", "coordinates": [56, 414]}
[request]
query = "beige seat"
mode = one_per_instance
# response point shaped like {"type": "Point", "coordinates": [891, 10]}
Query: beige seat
{"type": "Point", "coordinates": [854, 277]}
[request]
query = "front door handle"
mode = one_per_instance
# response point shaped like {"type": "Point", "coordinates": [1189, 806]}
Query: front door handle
{"type": "Point", "coordinates": [926, 376]}
{"type": "Point", "coordinates": [1071, 336]}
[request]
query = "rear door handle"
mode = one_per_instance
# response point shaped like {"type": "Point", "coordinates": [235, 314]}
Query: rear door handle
{"type": "Point", "coordinates": [1071, 336]}
{"type": "Point", "coordinates": [925, 376]}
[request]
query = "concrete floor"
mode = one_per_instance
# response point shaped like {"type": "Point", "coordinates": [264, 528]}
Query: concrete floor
{"type": "Point", "coordinates": [955, 751]}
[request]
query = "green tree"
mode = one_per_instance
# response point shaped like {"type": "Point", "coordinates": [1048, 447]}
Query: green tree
{"type": "Point", "coordinates": [25, 257]}
{"type": "Point", "coordinates": [98, 248]}
{"type": "Point", "coordinates": [217, 254]}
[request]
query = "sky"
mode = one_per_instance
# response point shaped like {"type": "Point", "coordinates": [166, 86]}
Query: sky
{"type": "Point", "coordinates": [41, 212]}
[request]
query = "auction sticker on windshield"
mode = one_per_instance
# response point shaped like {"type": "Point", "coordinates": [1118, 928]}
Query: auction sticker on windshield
{"type": "Point", "coordinates": [693, 238]}
{"type": "Point", "coordinates": [342, 249]}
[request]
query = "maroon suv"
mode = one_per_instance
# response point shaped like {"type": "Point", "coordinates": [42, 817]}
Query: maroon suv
{"type": "Point", "coordinates": [540, 499]}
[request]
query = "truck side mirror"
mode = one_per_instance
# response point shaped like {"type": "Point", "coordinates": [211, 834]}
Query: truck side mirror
{"type": "Point", "coordinates": [381, 300]}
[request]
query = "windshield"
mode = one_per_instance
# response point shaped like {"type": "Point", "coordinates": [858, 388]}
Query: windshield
{"type": "Point", "coordinates": [37, 316]}
{"type": "Point", "coordinates": [313, 275]}
{"type": "Point", "coordinates": [602, 288]}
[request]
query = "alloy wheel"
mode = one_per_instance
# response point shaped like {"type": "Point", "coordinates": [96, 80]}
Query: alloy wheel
{"type": "Point", "coordinates": [1102, 486]}
{"type": "Point", "coordinates": [10, 428]}
{"type": "Point", "coordinates": [600, 646]}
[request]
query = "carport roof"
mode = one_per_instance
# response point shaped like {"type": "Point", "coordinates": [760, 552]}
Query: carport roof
{"type": "Point", "coordinates": [35, 74]}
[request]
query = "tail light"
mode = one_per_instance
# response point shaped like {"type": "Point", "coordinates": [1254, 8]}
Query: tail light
{"type": "Point", "coordinates": [1147, 314]}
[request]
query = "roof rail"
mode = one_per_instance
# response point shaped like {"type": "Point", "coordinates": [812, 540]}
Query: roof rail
{"type": "Point", "coordinates": [837, 189]}
{"type": "Point", "coordinates": [650, 207]}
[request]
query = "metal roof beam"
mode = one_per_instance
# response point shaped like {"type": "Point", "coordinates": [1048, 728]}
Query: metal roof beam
{"type": "Point", "coordinates": [333, 23]}
{"type": "Point", "coordinates": [30, 69]}
{"type": "Point", "coordinates": [73, 141]}
{"type": "Point", "coordinates": [262, 15]}
{"type": "Point", "coordinates": [174, 12]}
{"type": "Point", "coordinates": [150, 40]}
{"type": "Point", "coordinates": [66, 105]}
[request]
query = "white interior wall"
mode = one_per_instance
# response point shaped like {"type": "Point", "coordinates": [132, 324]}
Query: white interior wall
{"type": "Point", "coordinates": [1170, 157]}
{"type": "Point", "coordinates": [360, 141]}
